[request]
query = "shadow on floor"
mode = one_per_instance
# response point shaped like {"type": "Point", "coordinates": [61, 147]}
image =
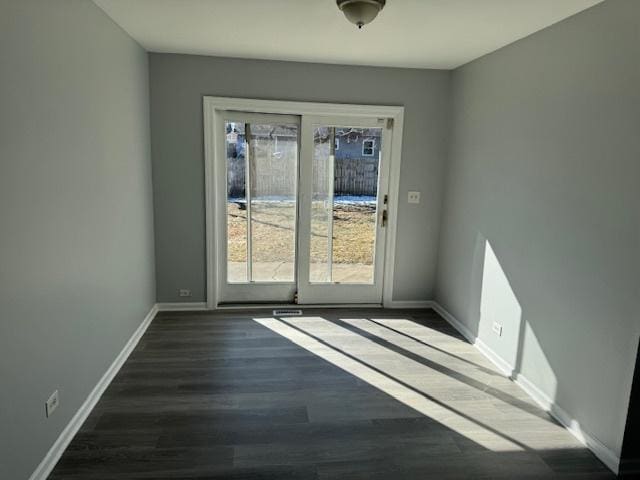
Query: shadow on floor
{"type": "Point", "coordinates": [338, 394]}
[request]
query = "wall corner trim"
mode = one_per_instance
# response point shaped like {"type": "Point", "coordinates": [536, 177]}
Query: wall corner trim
{"type": "Point", "coordinates": [57, 449]}
{"type": "Point", "coordinates": [604, 453]}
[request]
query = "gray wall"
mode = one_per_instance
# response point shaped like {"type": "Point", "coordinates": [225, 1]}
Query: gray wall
{"type": "Point", "coordinates": [541, 226]}
{"type": "Point", "coordinates": [178, 83]}
{"type": "Point", "coordinates": [76, 242]}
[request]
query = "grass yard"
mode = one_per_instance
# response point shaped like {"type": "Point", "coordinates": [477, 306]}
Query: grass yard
{"type": "Point", "coordinates": [273, 235]}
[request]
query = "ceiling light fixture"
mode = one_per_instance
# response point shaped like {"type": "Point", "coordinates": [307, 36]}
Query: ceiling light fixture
{"type": "Point", "coordinates": [360, 12]}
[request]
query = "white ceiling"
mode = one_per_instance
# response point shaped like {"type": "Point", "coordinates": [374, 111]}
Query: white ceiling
{"type": "Point", "coordinates": [407, 33]}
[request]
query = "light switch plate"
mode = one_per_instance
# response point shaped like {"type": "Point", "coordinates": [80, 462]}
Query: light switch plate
{"type": "Point", "coordinates": [414, 197]}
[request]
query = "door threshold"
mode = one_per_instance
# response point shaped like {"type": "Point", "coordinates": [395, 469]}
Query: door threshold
{"type": "Point", "coordinates": [271, 306]}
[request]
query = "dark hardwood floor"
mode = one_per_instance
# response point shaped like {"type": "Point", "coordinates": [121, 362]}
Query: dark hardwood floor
{"type": "Point", "coordinates": [337, 394]}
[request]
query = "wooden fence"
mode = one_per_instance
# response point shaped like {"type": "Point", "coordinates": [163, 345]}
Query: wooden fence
{"type": "Point", "coordinates": [352, 176]}
{"type": "Point", "coordinates": [356, 176]}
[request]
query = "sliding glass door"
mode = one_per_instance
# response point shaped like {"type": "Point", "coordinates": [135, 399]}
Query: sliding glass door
{"type": "Point", "coordinates": [305, 205]}
{"type": "Point", "coordinates": [343, 181]}
{"type": "Point", "coordinates": [260, 193]}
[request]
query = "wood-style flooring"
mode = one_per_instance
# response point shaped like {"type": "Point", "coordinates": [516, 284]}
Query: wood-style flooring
{"type": "Point", "coordinates": [335, 394]}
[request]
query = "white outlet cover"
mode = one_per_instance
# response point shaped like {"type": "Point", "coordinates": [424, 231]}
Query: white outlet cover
{"type": "Point", "coordinates": [497, 329]}
{"type": "Point", "coordinates": [52, 403]}
{"type": "Point", "coordinates": [413, 197]}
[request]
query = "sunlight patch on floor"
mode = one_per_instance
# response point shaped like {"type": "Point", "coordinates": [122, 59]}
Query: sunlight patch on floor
{"type": "Point", "coordinates": [482, 406]}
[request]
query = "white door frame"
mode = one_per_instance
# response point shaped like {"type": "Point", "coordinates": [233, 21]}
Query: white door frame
{"type": "Point", "coordinates": [213, 140]}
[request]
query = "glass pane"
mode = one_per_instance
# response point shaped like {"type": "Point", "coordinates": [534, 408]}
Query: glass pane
{"type": "Point", "coordinates": [344, 200]}
{"type": "Point", "coordinates": [273, 161]}
{"type": "Point", "coordinates": [321, 208]}
{"type": "Point", "coordinates": [236, 204]}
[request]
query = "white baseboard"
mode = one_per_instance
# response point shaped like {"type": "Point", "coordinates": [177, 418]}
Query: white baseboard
{"type": "Point", "coordinates": [190, 306]}
{"type": "Point", "coordinates": [392, 304]}
{"type": "Point", "coordinates": [455, 323]}
{"type": "Point", "coordinates": [57, 449]}
{"type": "Point", "coordinates": [181, 306]}
{"type": "Point", "coordinates": [498, 361]}
{"type": "Point", "coordinates": [501, 364]}
{"type": "Point", "coordinates": [604, 453]}
{"type": "Point", "coordinates": [534, 392]}
{"type": "Point", "coordinates": [409, 304]}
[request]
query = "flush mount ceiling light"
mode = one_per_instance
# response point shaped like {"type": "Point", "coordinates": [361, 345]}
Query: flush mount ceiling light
{"type": "Point", "coordinates": [360, 12]}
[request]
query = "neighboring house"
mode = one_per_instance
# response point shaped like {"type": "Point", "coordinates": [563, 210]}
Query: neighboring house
{"type": "Point", "coordinates": [357, 143]}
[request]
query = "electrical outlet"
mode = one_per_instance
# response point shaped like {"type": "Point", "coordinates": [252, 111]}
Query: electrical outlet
{"type": "Point", "coordinates": [184, 292]}
{"type": "Point", "coordinates": [413, 197]}
{"type": "Point", "coordinates": [51, 404]}
{"type": "Point", "coordinates": [497, 329]}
